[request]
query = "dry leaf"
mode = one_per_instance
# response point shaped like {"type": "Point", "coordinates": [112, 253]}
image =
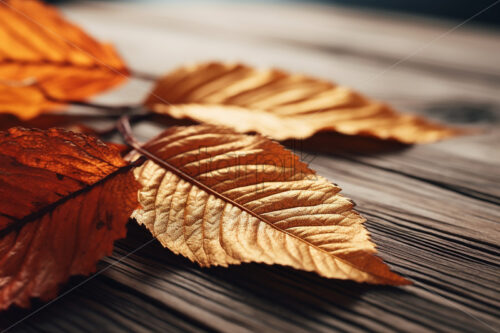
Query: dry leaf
{"type": "Point", "coordinates": [219, 197]}
{"type": "Point", "coordinates": [25, 101]}
{"type": "Point", "coordinates": [64, 199]}
{"type": "Point", "coordinates": [38, 44]}
{"type": "Point", "coordinates": [282, 106]}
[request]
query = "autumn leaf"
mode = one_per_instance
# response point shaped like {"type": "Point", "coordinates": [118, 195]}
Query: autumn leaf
{"type": "Point", "coordinates": [25, 101]}
{"type": "Point", "coordinates": [219, 197]}
{"type": "Point", "coordinates": [65, 63]}
{"type": "Point", "coordinates": [64, 199]}
{"type": "Point", "coordinates": [281, 105]}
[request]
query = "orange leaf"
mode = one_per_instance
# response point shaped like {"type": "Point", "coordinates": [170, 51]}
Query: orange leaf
{"type": "Point", "coordinates": [25, 101]}
{"type": "Point", "coordinates": [281, 105]}
{"type": "Point", "coordinates": [64, 199]}
{"type": "Point", "coordinates": [66, 63]}
{"type": "Point", "coordinates": [219, 197]}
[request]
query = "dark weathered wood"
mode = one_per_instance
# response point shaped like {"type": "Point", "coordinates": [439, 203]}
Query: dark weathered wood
{"type": "Point", "coordinates": [432, 209]}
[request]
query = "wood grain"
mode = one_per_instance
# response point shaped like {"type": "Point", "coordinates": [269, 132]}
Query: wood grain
{"type": "Point", "coordinates": [432, 209]}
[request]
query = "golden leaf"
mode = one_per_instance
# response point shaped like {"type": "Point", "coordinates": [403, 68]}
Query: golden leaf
{"type": "Point", "coordinates": [219, 197]}
{"type": "Point", "coordinates": [66, 63]}
{"type": "Point", "coordinates": [282, 106]}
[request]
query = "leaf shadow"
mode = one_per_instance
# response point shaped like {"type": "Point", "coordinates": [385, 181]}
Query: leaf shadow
{"type": "Point", "coordinates": [274, 294]}
{"type": "Point", "coordinates": [280, 291]}
{"type": "Point", "coordinates": [336, 143]}
{"type": "Point", "coordinates": [324, 142]}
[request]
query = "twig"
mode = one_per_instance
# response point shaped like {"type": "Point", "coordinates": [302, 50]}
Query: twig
{"type": "Point", "coordinates": [143, 76]}
{"type": "Point", "coordinates": [117, 109]}
{"type": "Point", "coordinates": [115, 127]}
{"type": "Point", "coordinates": [123, 126]}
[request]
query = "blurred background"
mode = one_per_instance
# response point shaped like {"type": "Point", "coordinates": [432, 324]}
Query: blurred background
{"type": "Point", "coordinates": [449, 9]}
{"type": "Point", "coordinates": [438, 58]}
{"type": "Point", "coordinates": [455, 10]}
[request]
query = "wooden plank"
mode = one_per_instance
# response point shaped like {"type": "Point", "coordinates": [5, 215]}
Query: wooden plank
{"type": "Point", "coordinates": [336, 29]}
{"type": "Point", "coordinates": [432, 210]}
{"type": "Point", "coordinates": [168, 45]}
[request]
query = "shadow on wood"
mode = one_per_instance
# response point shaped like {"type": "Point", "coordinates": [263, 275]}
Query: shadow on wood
{"type": "Point", "coordinates": [336, 143]}
{"type": "Point", "coordinates": [155, 279]}
{"type": "Point", "coordinates": [322, 142]}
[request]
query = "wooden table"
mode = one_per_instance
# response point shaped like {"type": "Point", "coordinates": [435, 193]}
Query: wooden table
{"type": "Point", "coordinates": [432, 209]}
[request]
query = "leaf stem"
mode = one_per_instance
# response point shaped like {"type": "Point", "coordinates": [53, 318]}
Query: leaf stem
{"type": "Point", "coordinates": [126, 131]}
{"type": "Point", "coordinates": [143, 76]}
{"type": "Point", "coordinates": [123, 126]}
{"type": "Point", "coordinates": [112, 129]}
{"type": "Point", "coordinates": [117, 109]}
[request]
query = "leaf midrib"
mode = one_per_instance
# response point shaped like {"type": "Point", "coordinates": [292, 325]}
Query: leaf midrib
{"type": "Point", "coordinates": [18, 224]}
{"type": "Point", "coordinates": [187, 177]}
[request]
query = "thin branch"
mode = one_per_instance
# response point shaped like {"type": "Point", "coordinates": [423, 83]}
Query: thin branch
{"type": "Point", "coordinates": [116, 110]}
{"type": "Point", "coordinates": [143, 76]}
{"type": "Point", "coordinates": [112, 129]}
{"type": "Point", "coordinates": [125, 130]}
